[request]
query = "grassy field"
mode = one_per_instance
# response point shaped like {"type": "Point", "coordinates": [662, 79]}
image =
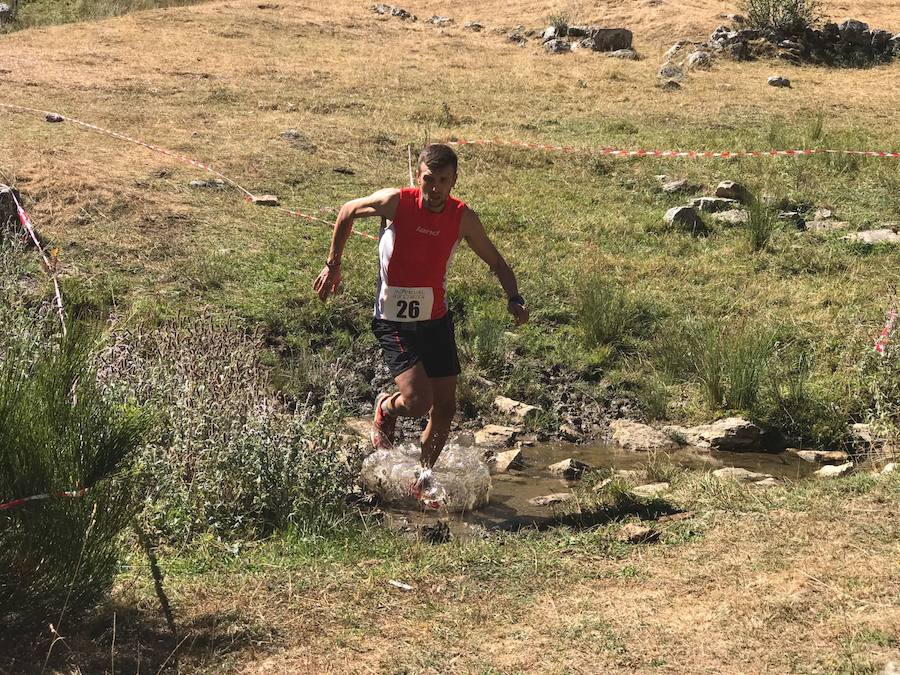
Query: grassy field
{"type": "Point", "coordinates": [801, 578]}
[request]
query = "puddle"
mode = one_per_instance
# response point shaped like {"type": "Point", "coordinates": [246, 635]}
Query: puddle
{"type": "Point", "coordinates": [509, 508]}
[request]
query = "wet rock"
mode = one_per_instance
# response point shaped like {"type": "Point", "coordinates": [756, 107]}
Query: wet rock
{"type": "Point", "coordinates": [265, 200]}
{"type": "Point", "coordinates": [568, 468]}
{"type": "Point", "coordinates": [670, 71]}
{"type": "Point", "coordinates": [778, 81]}
{"type": "Point", "coordinates": [521, 411]}
{"type": "Point", "coordinates": [550, 500]}
{"type": "Point", "coordinates": [729, 189]}
{"type": "Point", "coordinates": [504, 461]}
{"type": "Point", "coordinates": [495, 435]}
{"type": "Point", "coordinates": [731, 217]}
{"type": "Point", "coordinates": [882, 236]}
{"type": "Point", "coordinates": [640, 437]}
{"type": "Point", "coordinates": [557, 46]}
{"type": "Point", "coordinates": [740, 475]}
{"type": "Point", "coordinates": [636, 534]}
{"type": "Point", "coordinates": [626, 54]}
{"type": "Point", "coordinates": [216, 184]}
{"type": "Point", "coordinates": [731, 434]}
{"type": "Point", "coordinates": [685, 218]}
{"type": "Point", "coordinates": [698, 60]}
{"type": "Point", "coordinates": [610, 39]}
{"type": "Point", "coordinates": [650, 490]}
{"type": "Point", "coordinates": [473, 26]}
{"type": "Point", "coordinates": [834, 470]}
{"type": "Point", "coordinates": [713, 204]}
{"type": "Point", "coordinates": [820, 456]}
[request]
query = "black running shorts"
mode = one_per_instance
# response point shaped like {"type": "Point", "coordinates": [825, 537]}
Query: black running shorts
{"type": "Point", "coordinates": [406, 343]}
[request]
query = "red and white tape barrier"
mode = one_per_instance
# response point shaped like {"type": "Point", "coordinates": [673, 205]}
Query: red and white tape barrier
{"type": "Point", "coordinates": [689, 154]}
{"type": "Point", "coordinates": [47, 495]}
{"type": "Point", "coordinates": [889, 325]}
{"type": "Point", "coordinates": [249, 196]}
{"type": "Point", "coordinates": [49, 265]}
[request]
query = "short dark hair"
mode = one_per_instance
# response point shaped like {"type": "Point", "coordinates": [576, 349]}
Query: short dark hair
{"type": "Point", "coordinates": [437, 156]}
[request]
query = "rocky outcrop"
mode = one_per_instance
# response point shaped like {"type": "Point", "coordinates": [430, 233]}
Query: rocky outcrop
{"type": "Point", "coordinates": [733, 434]}
{"type": "Point", "coordinates": [639, 437]}
{"type": "Point", "coordinates": [686, 219]}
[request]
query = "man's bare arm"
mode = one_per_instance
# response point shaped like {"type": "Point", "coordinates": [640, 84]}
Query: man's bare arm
{"type": "Point", "coordinates": [382, 203]}
{"type": "Point", "coordinates": [472, 230]}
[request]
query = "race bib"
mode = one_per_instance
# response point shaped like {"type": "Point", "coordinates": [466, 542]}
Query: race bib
{"type": "Point", "coordinates": [407, 304]}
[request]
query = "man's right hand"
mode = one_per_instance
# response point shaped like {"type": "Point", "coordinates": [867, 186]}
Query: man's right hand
{"type": "Point", "coordinates": [328, 281]}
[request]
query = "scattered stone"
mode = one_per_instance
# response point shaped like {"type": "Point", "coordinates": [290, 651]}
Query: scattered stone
{"type": "Point", "coordinates": [685, 218]}
{"type": "Point", "coordinates": [778, 81]}
{"type": "Point", "coordinates": [826, 225]}
{"type": "Point", "coordinates": [636, 534]}
{"type": "Point", "coordinates": [640, 437]}
{"type": "Point", "coordinates": [670, 85]}
{"type": "Point", "coordinates": [265, 200]}
{"type": "Point", "coordinates": [834, 470]}
{"type": "Point", "coordinates": [473, 26]}
{"type": "Point", "coordinates": [650, 490]}
{"type": "Point", "coordinates": [731, 217]}
{"type": "Point", "coordinates": [728, 189]}
{"type": "Point", "coordinates": [557, 46]}
{"type": "Point", "coordinates": [599, 485]}
{"type": "Point", "coordinates": [550, 500]}
{"type": "Point", "coordinates": [215, 184]}
{"type": "Point", "coordinates": [390, 10]}
{"type": "Point", "coordinates": [765, 483]}
{"type": "Point", "coordinates": [890, 467]}
{"type": "Point", "coordinates": [516, 36]}
{"type": "Point", "coordinates": [345, 170]}
{"type": "Point", "coordinates": [494, 435]}
{"type": "Point", "coordinates": [568, 468]}
{"type": "Point", "coordinates": [517, 409]}
{"type": "Point", "coordinates": [794, 217]}
{"type": "Point", "coordinates": [677, 185]}
{"type": "Point", "coordinates": [551, 33]}
{"type": "Point", "coordinates": [627, 54]}
{"type": "Point", "coordinates": [610, 39]}
{"type": "Point", "coordinates": [53, 118]}
{"type": "Point", "coordinates": [882, 236]}
{"type": "Point", "coordinates": [440, 21]}
{"type": "Point", "coordinates": [820, 456]}
{"type": "Point", "coordinates": [740, 475]}
{"type": "Point", "coordinates": [731, 433]}
{"type": "Point", "coordinates": [509, 459]}
{"type": "Point", "coordinates": [670, 71]}
{"type": "Point", "coordinates": [698, 60]}
{"type": "Point", "coordinates": [823, 214]}
{"type": "Point", "coordinates": [713, 204]}
{"type": "Point", "coordinates": [437, 533]}
{"type": "Point", "coordinates": [674, 49]}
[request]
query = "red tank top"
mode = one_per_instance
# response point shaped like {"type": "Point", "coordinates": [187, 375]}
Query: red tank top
{"type": "Point", "coordinates": [414, 252]}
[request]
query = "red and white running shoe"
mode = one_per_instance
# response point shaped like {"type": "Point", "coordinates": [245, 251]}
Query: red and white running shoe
{"type": "Point", "coordinates": [383, 426]}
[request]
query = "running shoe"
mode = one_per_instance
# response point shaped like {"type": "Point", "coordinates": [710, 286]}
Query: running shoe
{"type": "Point", "coordinates": [383, 425]}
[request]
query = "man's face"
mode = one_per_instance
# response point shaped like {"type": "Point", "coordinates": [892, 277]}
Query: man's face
{"type": "Point", "coordinates": [435, 186]}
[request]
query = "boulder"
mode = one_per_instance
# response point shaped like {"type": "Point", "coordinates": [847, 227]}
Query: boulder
{"type": "Point", "coordinates": [557, 46]}
{"type": "Point", "coordinates": [650, 490]}
{"type": "Point", "coordinates": [731, 217]}
{"type": "Point", "coordinates": [640, 437]}
{"type": "Point", "coordinates": [733, 434]}
{"type": "Point", "coordinates": [627, 54]}
{"type": "Point", "coordinates": [740, 475]}
{"type": "Point", "coordinates": [506, 460]}
{"type": "Point", "coordinates": [698, 60]}
{"type": "Point", "coordinates": [882, 236]}
{"type": "Point", "coordinates": [54, 118]}
{"type": "Point", "coordinates": [550, 500]}
{"type": "Point", "coordinates": [578, 32]}
{"type": "Point", "coordinates": [568, 468]}
{"type": "Point", "coordinates": [551, 33]}
{"type": "Point", "coordinates": [521, 411]}
{"type": "Point", "coordinates": [728, 189]}
{"type": "Point", "coordinates": [610, 39]}
{"type": "Point", "coordinates": [685, 218]}
{"type": "Point", "coordinates": [853, 26]}
{"type": "Point", "coordinates": [713, 204]}
{"type": "Point", "coordinates": [636, 534]}
{"type": "Point", "coordinates": [778, 81]}
{"type": "Point", "coordinates": [821, 456]}
{"type": "Point", "coordinates": [494, 435]}
{"type": "Point", "coordinates": [834, 470]}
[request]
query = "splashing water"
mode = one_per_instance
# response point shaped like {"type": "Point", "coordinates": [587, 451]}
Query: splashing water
{"type": "Point", "coordinates": [460, 480]}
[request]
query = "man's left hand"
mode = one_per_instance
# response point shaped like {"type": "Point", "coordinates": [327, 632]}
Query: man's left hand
{"type": "Point", "coordinates": [519, 312]}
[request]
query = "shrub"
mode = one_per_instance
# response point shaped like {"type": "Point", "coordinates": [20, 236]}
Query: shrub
{"type": "Point", "coordinates": [786, 17]}
{"type": "Point", "coordinates": [57, 433]}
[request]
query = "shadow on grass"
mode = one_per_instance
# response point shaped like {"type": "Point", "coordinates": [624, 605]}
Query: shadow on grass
{"type": "Point", "coordinates": [140, 642]}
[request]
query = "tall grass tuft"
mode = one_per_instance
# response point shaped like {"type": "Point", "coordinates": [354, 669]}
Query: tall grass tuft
{"type": "Point", "coordinates": [760, 225]}
{"type": "Point", "coordinates": [57, 433]}
{"type": "Point", "coordinates": [608, 315]}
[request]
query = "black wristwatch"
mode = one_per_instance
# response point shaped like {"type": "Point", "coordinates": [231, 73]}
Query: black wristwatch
{"type": "Point", "coordinates": [518, 299]}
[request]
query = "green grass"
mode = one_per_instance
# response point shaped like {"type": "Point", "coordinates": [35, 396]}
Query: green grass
{"type": "Point", "coordinates": [52, 12]}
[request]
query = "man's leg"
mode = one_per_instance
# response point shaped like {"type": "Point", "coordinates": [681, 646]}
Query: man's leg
{"type": "Point", "coordinates": [443, 408]}
{"type": "Point", "coordinates": [414, 398]}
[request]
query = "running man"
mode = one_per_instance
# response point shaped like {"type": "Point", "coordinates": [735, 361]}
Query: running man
{"type": "Point", "coordinates": [413, 325]}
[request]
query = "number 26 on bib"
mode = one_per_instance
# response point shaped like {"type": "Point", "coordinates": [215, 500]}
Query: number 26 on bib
{"type": "Point", "coordinates": [407, 304]}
